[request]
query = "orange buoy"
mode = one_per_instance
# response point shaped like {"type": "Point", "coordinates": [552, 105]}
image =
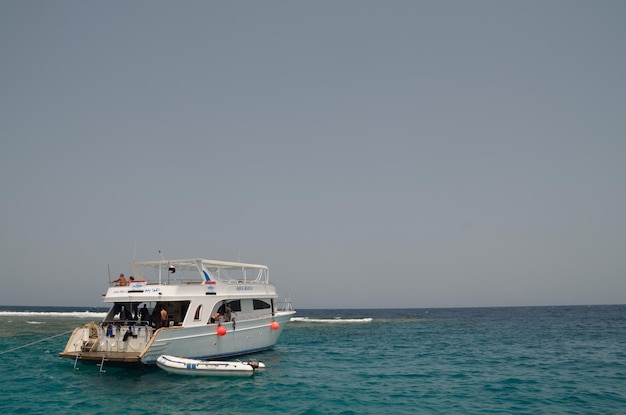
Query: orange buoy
{"type": "Point", "coordinates": [274, 325]}
{"type": "Point", "coordinates": [221, 330]}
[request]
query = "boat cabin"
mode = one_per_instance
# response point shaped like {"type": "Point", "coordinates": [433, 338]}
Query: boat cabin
{"type": "Point", "coordinates": [182, 313]}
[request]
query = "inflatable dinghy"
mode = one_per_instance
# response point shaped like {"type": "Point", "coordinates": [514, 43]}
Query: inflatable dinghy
{"type": "Point", "coordinates": [183, 366]}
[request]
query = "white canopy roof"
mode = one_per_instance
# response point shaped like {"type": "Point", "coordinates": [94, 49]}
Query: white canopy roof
{"type": "Point", "coordinates": [191, 264]}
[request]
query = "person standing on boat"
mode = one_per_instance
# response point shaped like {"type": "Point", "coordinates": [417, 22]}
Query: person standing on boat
{"type": "Point", "coordinates": [121, 280]}
{"type": "Point", "coordinates": [164, 318]}
{"type": "Point", "coordinates": [228, 312]}
{"type": "Point", "coordinates": [144, 314]}
{"type": "Point", "coordinates": [156, 316]}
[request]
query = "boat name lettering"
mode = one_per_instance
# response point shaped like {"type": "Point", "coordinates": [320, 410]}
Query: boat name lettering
{"type": "Point", "coordinates": [152, 290]}
{"type": "Point", "coordinates": [244, 288]}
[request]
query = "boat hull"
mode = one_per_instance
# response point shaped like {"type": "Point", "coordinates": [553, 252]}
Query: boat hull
{"type": "Point", "coordinates": [205, 343]}
{"type": "Point", "coordinates": [201, 342]}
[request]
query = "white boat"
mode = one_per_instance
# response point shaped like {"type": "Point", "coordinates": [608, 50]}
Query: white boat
{"type": "Point", "coordinates": [214, 309]}
{"type": "Point", "coordinates": [184, 366]}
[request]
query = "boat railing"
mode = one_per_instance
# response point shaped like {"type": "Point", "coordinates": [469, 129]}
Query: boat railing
{"type": "Point", "coordinates": [168, 281]}
{"type": "Point", "coordinates": [244, 317]}
{"type": "Point", "coordinates": [285, 305]}
{"type": "Point", "coordinates": [188, 281]}
{"type": "Point", "coordinates": [243, 281]}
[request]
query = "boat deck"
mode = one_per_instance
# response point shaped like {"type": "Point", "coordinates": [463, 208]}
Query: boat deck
{"type": "Point", "coordinates": [123, 357]}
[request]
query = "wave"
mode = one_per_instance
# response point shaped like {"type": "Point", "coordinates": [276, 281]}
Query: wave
{"type": "Point", "coordinates": [79, 314]}
{"type": "Point", "coordinates": [335, 320]}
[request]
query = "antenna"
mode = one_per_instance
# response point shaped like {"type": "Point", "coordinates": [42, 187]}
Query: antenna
{"type": "Point", "coordinates": [160, 253]}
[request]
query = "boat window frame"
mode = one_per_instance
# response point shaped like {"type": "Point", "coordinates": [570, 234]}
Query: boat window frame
{"type": "Point", "coordinates": [256, 302]}
{"type": "Point", "coordinates": [198, 314]}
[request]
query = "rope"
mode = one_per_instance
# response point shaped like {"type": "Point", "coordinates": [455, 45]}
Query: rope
{"type": "Point", "coordinates": [38, 341]}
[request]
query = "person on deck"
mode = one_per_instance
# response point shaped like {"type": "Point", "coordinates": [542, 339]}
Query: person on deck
{"type": "Point", "coordinates": [121, 281]}
{"type": "Point", "coordinates": [228, 313]}
{"type": "Point", "coordinates": [123, 313]}
{"type": "Point", "coordinates": [164, 318]}
{"type": "Point", "coordinates": [144, 314]}
{"type": "Point", "coordinates": [155, 318]}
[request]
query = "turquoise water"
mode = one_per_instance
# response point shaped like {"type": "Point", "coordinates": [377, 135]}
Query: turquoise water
{"type": "Point", "coordinates": [538, 360]}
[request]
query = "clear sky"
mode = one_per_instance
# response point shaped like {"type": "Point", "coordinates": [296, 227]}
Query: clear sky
{"type": "Point", "coordinates": [371, 153]}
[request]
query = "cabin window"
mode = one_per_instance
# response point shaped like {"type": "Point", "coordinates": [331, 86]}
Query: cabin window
{"type": "Point", "coordinates": [235, 305]}
{"type": "Point", "coordinates": [198, 314]}
{"type": "Point", "coordinates": [260, 305]}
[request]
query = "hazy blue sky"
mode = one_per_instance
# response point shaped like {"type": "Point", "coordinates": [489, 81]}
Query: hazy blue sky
{"type": "Point", "coordinates": [372, 153]}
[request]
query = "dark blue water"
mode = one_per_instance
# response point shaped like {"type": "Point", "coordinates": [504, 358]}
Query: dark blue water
{"type": "Point", "coordinates": [548, 360]}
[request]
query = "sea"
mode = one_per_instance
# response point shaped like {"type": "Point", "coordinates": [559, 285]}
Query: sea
{"type": "Point", "coordinates": [515, 360]}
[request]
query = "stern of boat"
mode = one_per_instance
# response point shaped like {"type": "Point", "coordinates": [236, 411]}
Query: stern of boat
{"type": "Point", "coordinates": [95, 343]}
